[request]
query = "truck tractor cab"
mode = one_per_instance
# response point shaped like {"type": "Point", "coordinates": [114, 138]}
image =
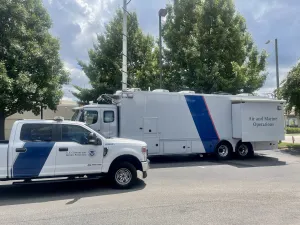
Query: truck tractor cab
{"type": "Point", "coordinates": [102, 118]}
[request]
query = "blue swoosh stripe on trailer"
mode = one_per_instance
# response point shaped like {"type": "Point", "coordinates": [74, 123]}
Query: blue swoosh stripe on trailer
{"type": "Point", "coordinates": [30, 163]}
{"type": "Point", "coordinates": [203, 121]}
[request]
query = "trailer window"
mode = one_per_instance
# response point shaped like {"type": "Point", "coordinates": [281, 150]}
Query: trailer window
{"type": "Point", "coordinates": [36, 132]}
{"type": "Point", "coordinates": [90, 117]}
{"type": "Point", "coordinates": [108, 116]}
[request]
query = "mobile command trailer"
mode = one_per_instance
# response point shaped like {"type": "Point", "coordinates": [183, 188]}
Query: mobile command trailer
{"type": "Point", "coordinates": [187, 123]}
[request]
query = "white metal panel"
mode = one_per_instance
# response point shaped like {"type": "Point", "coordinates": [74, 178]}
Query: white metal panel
{"type": "Point", "coordinates": [220, 110]}
{"type": "Point", "coordinates": [150, 125]}
{"type": "Point", "coordinates": [188, 146]}
{"type": "Point", "coordinates": [109, 129]}
{"type": "Point", "coordinates": [175, 120]}
{"type": "Point", "coordinates": [37, 161]}
{"type": "Point", "coordinates": [77, 158]}
{"type": "Point", "coordinates": [132, 117]}
{"type": "Point", "coordinates": [3, 160]}
{"type": "Point", "coordinates": [173, 115]}
{"type": "Point", "coordinates": [153, 145]}
{"type": "Point", "coordinates": [262, 121]}
{"type": "Point", "coordinates": [265, 145]}
{"type": "Point", "coordinates": [236, 121]}
{"type": "Point", "coordinates": [197, 147]}
{"type": "Point", "coordinates": [175, 147]}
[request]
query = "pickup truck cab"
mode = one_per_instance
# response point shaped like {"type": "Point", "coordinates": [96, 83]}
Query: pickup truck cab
{"type": "Point", "coordinates": [56, 148]}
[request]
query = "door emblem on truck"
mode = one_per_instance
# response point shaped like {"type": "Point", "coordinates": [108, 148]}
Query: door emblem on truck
{"type": "Point", "coordinates": [92, 153]}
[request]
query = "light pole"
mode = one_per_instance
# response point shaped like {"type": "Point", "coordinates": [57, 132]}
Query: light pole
{"type": "Point", "coordinates": [124, 52]}
{"type": "Point", "coordinates": [277, 64]}
{"type": "Point", "coordinates": [161, 13]}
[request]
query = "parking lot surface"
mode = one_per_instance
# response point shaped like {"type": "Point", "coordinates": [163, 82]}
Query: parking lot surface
{"type": "Point", "coordinates": [178, 190]}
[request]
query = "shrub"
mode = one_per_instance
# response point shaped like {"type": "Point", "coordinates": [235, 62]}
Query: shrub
{"type": "Point", "coordinates": [293, 130]}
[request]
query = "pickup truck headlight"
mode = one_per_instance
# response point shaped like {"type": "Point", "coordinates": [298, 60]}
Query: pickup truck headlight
{"type": "Point", "coordinates": [145, 152]}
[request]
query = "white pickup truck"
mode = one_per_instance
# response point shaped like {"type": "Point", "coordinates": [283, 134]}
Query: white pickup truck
{"type": "Point", "coordinates": [39, 149]}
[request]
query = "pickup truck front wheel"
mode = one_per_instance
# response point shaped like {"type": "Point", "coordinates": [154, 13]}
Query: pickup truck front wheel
{"type": "Point", "coordinates": [124, 175]}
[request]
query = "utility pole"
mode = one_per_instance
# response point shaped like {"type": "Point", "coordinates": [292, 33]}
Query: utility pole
{"type": "Point", "coordinates": [277, 66]}
{"type": "Point", "coordinates": [124, 67]}
{"type": "Point", "coordinates": [161, 13]}
{"type": "Point", "coordinates": [42, 116]}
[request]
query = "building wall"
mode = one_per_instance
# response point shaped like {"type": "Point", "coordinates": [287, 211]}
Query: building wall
{"type": "Point", "coordinates": [64, 110]}
{"type": "Point", "coordinates": [292, 121]}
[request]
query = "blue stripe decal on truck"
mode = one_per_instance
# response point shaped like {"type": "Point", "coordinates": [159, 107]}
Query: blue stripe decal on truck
{"type": "Point", "coordinates": [31, 162]}
{"type": "Point", "coordinates": [203, 121]}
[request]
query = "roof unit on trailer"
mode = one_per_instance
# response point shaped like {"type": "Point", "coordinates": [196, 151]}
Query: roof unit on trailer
{"type": "Point", "coordinates": [186, 92]}
{"type": "Point", "coordinates": [119, 92]}
{"type": "Point", "coordinates": [160, 90]}
{"type": "Point", "coordinates": [255, 99]}
{"type": "Point", "coordinates": [133, 89]}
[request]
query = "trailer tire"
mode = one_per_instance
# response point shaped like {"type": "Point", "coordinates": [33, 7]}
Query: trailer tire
{"type": "Point", "coordinates": [224, 150]}
{"type": "Point", "coordinates": [123, 175]}
{"type": "Point", "coordinates": [244, 150]}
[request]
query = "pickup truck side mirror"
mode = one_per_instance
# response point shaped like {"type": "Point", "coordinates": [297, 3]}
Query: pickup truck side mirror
{"type": "Point", "coordinates": [94, 140]}
{"type": "Point", "coordinates": [98, 141]}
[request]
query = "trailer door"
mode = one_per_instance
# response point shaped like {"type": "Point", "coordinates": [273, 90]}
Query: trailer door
{"type": "Point", "coordinates": [151, 136]}
{"type": "Point", "coordinates": [258, 121]}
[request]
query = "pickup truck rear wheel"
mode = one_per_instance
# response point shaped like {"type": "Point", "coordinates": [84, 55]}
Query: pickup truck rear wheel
{"type": "Point", "coordinates": [124, 175]}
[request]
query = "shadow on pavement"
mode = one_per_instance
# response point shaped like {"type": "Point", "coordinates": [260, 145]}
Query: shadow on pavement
{"type": "Point", "coordinates": [259, 160]}
{"type": "Point", "coordinates": [291, 151]}
{"type": "Point", "coordinates": [75, 190]}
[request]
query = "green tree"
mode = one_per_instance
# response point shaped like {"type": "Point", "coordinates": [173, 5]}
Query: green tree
{"type": "Point", "coordinates": [208, 49]}
{"type": "Point", "coordinates": [31, 72]}
{"type": "Point", "coordinates": [105, 60]}
{"type": "Point", "coordinates": [290, 90]}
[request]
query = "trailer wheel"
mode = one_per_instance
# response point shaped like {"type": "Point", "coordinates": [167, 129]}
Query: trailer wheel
{"type": "Point", "coordinates": [124, 175]}
{"type": "Point", "coordinates": [244, 150]}
{"type": "Point", "coordinates": [224, 150]}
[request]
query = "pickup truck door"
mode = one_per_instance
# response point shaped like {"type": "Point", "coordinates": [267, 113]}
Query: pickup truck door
{"type": "Point", "coordinates": [74, 155]}
{"type": "Point", "coordinates": [31, 152]}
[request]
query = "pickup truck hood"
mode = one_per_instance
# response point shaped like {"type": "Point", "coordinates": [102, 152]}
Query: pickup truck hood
{"type": "Point", "coordinates": [125, 141]}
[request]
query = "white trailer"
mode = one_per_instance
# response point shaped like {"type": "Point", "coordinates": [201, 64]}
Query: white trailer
{"type": "Point", "coordinates": [188, 123]}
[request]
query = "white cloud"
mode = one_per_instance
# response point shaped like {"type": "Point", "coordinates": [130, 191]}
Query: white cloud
{"type": "Point", "coordinates": [94, 15]}
{"type": "Point", "coordinates": [78, 78]}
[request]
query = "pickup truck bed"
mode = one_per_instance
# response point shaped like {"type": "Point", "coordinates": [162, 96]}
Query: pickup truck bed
{"type": "Point", "coordinates": [3, 159]}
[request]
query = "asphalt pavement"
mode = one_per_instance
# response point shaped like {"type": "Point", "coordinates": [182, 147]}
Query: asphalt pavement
{"type": "Point", "coordinates": [178, 190]}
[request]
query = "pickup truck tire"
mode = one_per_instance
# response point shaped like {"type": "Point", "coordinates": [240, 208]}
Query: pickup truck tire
{"type": "Point", "coordinates": [123, 175]}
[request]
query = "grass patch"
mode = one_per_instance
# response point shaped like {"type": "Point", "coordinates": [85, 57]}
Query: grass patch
{"type": "Point", "coordinates": [292, 134]}
{"type": "Point", "coordinates": [288, 145]}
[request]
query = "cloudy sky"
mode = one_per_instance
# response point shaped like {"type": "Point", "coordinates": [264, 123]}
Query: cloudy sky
{"type": "Point", "coordinates": [76, 23]}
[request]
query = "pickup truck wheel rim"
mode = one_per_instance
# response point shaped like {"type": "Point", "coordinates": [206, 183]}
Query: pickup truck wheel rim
{"type": "Point", "coordinates": [243, 150]}
{"type": "Point", "coordinates": [223, 151]}
{"type": "Point", "coordinates": [123, 176]}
